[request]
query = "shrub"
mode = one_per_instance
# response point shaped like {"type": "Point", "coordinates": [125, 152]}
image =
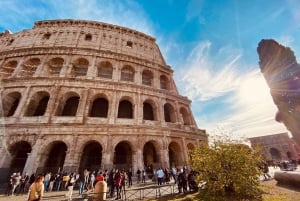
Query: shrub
{"type": "Point", "coordinates": [229, 171]}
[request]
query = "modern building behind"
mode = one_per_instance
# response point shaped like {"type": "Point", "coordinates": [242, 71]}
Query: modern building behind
{"type": "Point", "coordinates": [83, 94]}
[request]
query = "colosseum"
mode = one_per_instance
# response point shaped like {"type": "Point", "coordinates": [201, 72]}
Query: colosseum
{"type": "Point", "coordinates": [84, 94]}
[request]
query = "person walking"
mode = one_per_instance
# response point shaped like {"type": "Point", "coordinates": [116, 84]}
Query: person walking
{"type": "Point", "coordinates": [70, 186]}
{"type": "Point", "coordinates": [36, 190]}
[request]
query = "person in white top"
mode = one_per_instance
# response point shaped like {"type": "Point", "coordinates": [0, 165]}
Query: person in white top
{"type": "Point", "coordinates": [160, 176]}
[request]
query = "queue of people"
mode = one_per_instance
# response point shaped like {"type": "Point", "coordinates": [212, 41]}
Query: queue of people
{"type": "Point", "coordinates": [117, 180]}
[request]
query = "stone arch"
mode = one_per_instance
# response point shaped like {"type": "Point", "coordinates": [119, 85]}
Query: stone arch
{"type": "Point", "coordinates": [185, 116]}
{"type": "Point", "coordinates": [275, 154]}
{"type": "Point", "coordinates": [105, 70]}
{"type": "Point", "coordinates": [10, 103]}
{"type": "Point", "coordinates": [99, 106]}
{"type": "Point", "coordinates": [127, 73]}
{"type": "Point", "coordinates": [149, 110]}
{"type": "Point", "coordinates": [175, 155]}
{"type": "Point", "coordinates": [54, 157]}
{"type": "Point", "coordinates": [80, 67]}
{"type": "Point", "coordinates": [169, 113]}
{"type": "Point", "coordinates": [150, 155]}
{"type": "Point", "coordinates": [29, 67]}
{"type": "Point", "coordinates": [19, 153]}
{"type": "Point", "coordinates": [8, 68]}
{"type": "Point", "coordinates": [164, 82]}
{"type": "Point", "coordinates": [38, 104]}
{"type": "Point", "coordinates": [55, 65]}
{"type": "Point", "coordinates": [125, 109]}
{"type": "Point", "coordinates": [91, 157]}
{"type": "Point", "coordinates": [68, 105]}
{"type": "Point", "coordinates": [123, 155]}
{"type": "Point", "coordinates": [147, 77]}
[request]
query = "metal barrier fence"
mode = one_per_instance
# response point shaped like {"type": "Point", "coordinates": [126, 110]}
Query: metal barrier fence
{"type": "Point", "coordinates": [142, 193]}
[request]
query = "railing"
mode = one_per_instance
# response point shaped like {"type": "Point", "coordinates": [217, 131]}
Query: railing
{"type": "Point", "coordinates": [141, 193]}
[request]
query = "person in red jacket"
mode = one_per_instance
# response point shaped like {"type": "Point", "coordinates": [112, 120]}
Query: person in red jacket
{"type": "Point", "coordinates": [100, 177]}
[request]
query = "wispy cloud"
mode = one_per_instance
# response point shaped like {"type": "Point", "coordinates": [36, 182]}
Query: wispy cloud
{"type": "Point", "coordinates": [203, 79]}
{"type": "Point", "coordinates": [249, 105]}
{"type": "Point", "coordinates": [124, 13]}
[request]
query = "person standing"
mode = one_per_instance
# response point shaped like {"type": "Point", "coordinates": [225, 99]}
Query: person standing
{"type": "Point", "coordinates": [143, 176]}
{"type": "Point", "coordinates": [16, 179]}
{"type": "Point", "coordinates": [138, 173]}
{"type": "Point", "coordinates": [47, 181]}
{"type": "Point", "coordinates": [70, 186]}
{"type": "Point", "coordinates": [118, 183]}
{"type": "Point", "coordinates": [160, 176]}
{"type": "Point", "coordinates": [129, 175]}
{"type": "Point", "coordinates": [24, 181]}
{"type": "Point", "coordinates": [36, 190]}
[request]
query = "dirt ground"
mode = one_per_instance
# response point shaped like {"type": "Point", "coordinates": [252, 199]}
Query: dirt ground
{"type": "Point", "coordinates": [275, 192]}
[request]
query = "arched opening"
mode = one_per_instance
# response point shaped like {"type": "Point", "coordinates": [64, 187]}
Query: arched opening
{"type": "Point", "coordinates": [8, 68]}
{"type": "Point", "coordinates": [38, 104]}
{"type": "Point", "coordinates": [68, 105]}
{"type": "Point", "coordinates": [275, 154]}
{"type": "Point", "coordinates": [169, 113]}
{"type": "Point", "coordinates": [147, 77]}
{"type": "Point", "coordinates": [80, 67]}
{"type": "Point", "coordinates": [127, 73]}
{"type": "Point", "coordinates": [149, 155]}
{"type": "Point", "coordinates": [175, 157]}
{"type": "Point", "coordinates": [19, 153]}
{"type": "Point", "coordinates": [55, 66]}
{"type": "Point", "coordinates": [123, 156]}
{"type": "Point", "coordinates": [99, 108]}
{"type": "Point", "coordinates": [164, 83]}
{"type": "Point", "coordinates": [55, 157]}
{"type": "Point", "coordinates": [10, 103]}
{"type": "Point", "coordinates": [125, 110]}
{"type": "Point", "coordinates": [105, 70]}
{"type": "Point", "coordinates": [29, 67]}
{"type": "Point", "coordinates": [185, 116]}
{"type": "Point", "coordinates": [148, 111]}
{"type": "Point", "coordinates": [91, 156]}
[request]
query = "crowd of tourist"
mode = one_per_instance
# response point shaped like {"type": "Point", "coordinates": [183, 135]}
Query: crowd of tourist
{"type": "Point", "coordinates": [117, 180]}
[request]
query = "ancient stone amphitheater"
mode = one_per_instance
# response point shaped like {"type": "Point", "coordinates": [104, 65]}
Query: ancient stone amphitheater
{"type": "Point", "coordinates": [83, 94]}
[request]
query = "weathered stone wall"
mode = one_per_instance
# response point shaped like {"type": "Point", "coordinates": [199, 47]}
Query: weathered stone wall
{"type": "Point", "coordinates": [59, 60]}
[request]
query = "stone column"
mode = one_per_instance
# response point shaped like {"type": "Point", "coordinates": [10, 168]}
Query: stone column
{"type": "Point", "coordinates": [34, 158]}
{"type": "Point", "coordinates": [108, 155]}
{"type": "Point", "coordinates": [82, 103]}
{"type": "Point", "coordinates": [137, 160]}
{"type": "Point", "coordinates": [23, 104]}
{"type": "Point", "coordinates": [70, 163]}
{"type": "Point", "coordinates": [164, 157]}
{"type": "Point", "coordinates": [18, 68]}
{"type": "Point", "coordinates": [4, 154]}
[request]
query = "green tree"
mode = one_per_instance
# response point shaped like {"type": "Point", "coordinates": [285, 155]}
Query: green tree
{"type": "Point", "coordinates": [229, 170]}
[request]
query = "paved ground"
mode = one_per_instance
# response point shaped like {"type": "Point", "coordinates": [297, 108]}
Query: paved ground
{"type": "Point", "coordinates": [135, 192]}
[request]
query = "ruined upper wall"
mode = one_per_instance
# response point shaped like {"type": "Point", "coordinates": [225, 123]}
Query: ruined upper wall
{"type": "Point", "coordinates": [85, 34]}
{"type": "Point", "coordinates": [282, 73]}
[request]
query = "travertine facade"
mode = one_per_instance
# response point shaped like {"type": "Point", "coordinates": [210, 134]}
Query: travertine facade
{"type": "Point", "coordinates": [277, 147]}
{"type": "Point", "coordinates": [79, 94]}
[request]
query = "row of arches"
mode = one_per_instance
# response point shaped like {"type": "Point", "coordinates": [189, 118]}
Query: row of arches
{"type": "Point", "coordinates": [277, 155]}
{"type": "Point", "coordinates": [99, 107]}
{"type": "Point", "coordinates": [52, 157]}
{"type": "Point", "coordinates": [79, 68]}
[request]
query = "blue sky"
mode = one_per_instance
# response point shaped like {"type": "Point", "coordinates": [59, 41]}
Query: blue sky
{"type": "Point", "coordinates": [210, 45]}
